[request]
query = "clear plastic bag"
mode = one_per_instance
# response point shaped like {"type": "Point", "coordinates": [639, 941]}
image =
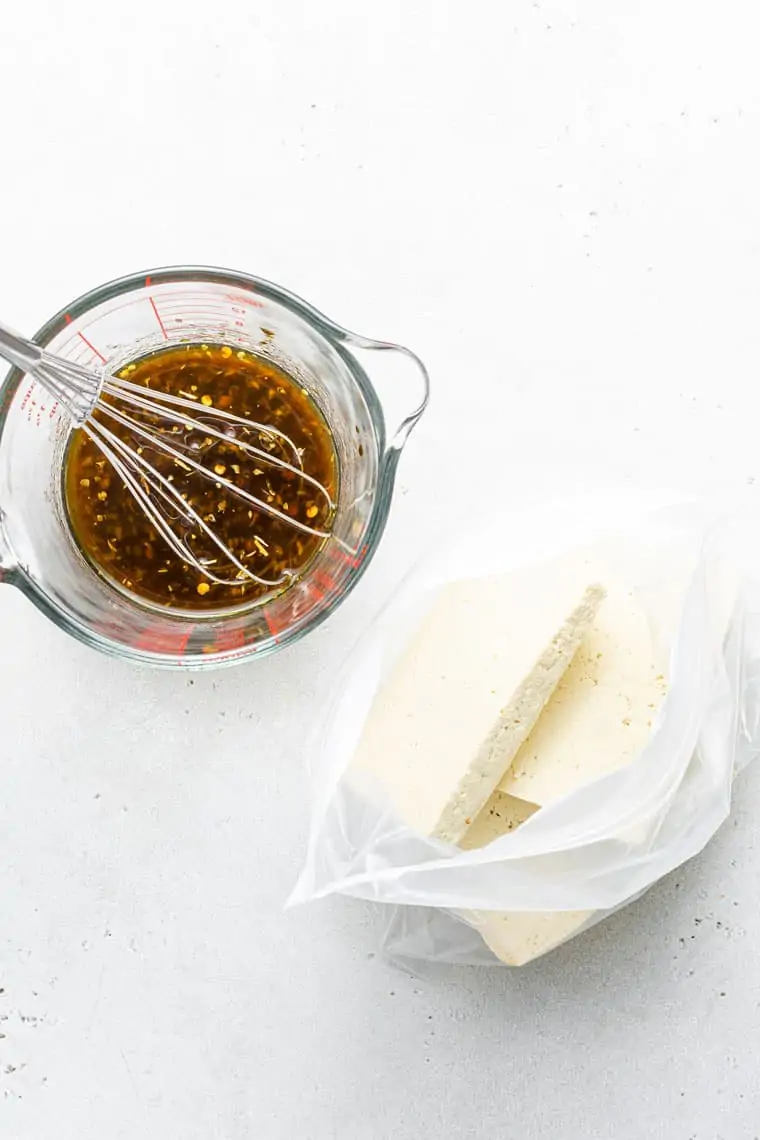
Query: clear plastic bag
{"type": "Point", "coordinates": [697, 574]}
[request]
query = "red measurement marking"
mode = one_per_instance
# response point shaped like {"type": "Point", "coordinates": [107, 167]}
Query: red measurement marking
{"type": "Point", "coordinates": [242, 299]}
{"type": "Point", "coordinates": [313, 593]}
{"type": "Point", "coordinates": [67, 318]}
{"type": "Point", "coordinates": [156, 639]}
{"type": "Point", "coordinates": [354, 562]}
{"type": "Point", "coordinates": [324, 581]}
{"type": "Point", "coordinates": [230, 639]}
{"type": "Point", "coordinates": [320, 585]}
{"type": "Point", "coordinates": [182, 641]}
{"type": "Point", "coordinates": [158, 318]}
{"type": "Point", "coordinates": [92, 347]}
{"type": "Point", "coordinates": [275, 628]}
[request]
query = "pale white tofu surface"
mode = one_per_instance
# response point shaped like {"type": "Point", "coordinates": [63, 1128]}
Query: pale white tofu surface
{"type": "Point", "coordinates": [453, 713]}
{"type": "Point", "coordinates": [603, 709]}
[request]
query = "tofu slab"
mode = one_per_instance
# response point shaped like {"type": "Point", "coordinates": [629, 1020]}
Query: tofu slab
{"type": "Point", "coordinates": [516, 937]}
{"type": "Point", "coordinates": [602, 712]}
{"type": "Point", "coordinates": [451, 717]}
{"type": "Point", "coordinates": [597, 720]}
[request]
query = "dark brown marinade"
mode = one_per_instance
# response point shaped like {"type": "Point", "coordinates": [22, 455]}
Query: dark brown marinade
{"type": "Point", "coordinates": [112, 529]}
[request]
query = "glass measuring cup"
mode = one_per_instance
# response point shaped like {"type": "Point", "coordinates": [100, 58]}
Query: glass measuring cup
{"type": "Point", "coordinates": [139, 314]}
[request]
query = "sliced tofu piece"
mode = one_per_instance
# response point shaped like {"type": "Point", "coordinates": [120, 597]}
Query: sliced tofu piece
{"type": "Point", "coordinates": [451, 717]}
{"type": "Point", "coordinates": [598, 719]}
{"type": "Point", "coordinates": [502, 814]}
{"type": "Point", "coordinates": [516, 937]}
{"type": "Point", "coordinates": [602, 712]}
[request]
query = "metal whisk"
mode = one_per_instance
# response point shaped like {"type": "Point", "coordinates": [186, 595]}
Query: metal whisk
{"type": "Point", "coordinates": [80, 391]}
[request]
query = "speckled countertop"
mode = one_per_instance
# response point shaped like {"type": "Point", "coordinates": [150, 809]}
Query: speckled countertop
{"type": "Point", "coordinates": [558, 206]}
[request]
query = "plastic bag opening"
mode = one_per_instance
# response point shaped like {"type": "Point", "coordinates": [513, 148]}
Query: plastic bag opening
{"type": "Point", "coordinates": [696, 573]}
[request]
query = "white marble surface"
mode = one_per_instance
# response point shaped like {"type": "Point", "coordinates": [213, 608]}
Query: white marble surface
{"type": "Point", "coordinates": [558, 206]}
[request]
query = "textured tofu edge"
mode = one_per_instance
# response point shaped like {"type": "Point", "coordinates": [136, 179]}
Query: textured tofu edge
{"type": "Point", "coordinates": [516, 720]}
{"type": "Point", "coordinates": [530, 934]}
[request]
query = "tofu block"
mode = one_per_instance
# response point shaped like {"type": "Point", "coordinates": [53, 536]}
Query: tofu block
{"type": "Point", "coordinates": [502, 814]}
{"type": "Point", "coordinates": [598, 719]}
{"type": "Point", "coordinates": [516, 937]}
{"type": "Point", "coordinates": [464, 697]}
{"type": "Point", "coordinates": [602, 712]}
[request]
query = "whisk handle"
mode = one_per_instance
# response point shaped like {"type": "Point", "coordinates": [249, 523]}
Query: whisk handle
{"type": "Point", "coordinates": [19, 351]}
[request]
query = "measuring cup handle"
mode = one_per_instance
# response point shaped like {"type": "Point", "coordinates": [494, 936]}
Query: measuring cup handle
{"type": "Point", "coordinates": [354, 342]}
{"type": "Point", "coordinates": [403, 431]}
